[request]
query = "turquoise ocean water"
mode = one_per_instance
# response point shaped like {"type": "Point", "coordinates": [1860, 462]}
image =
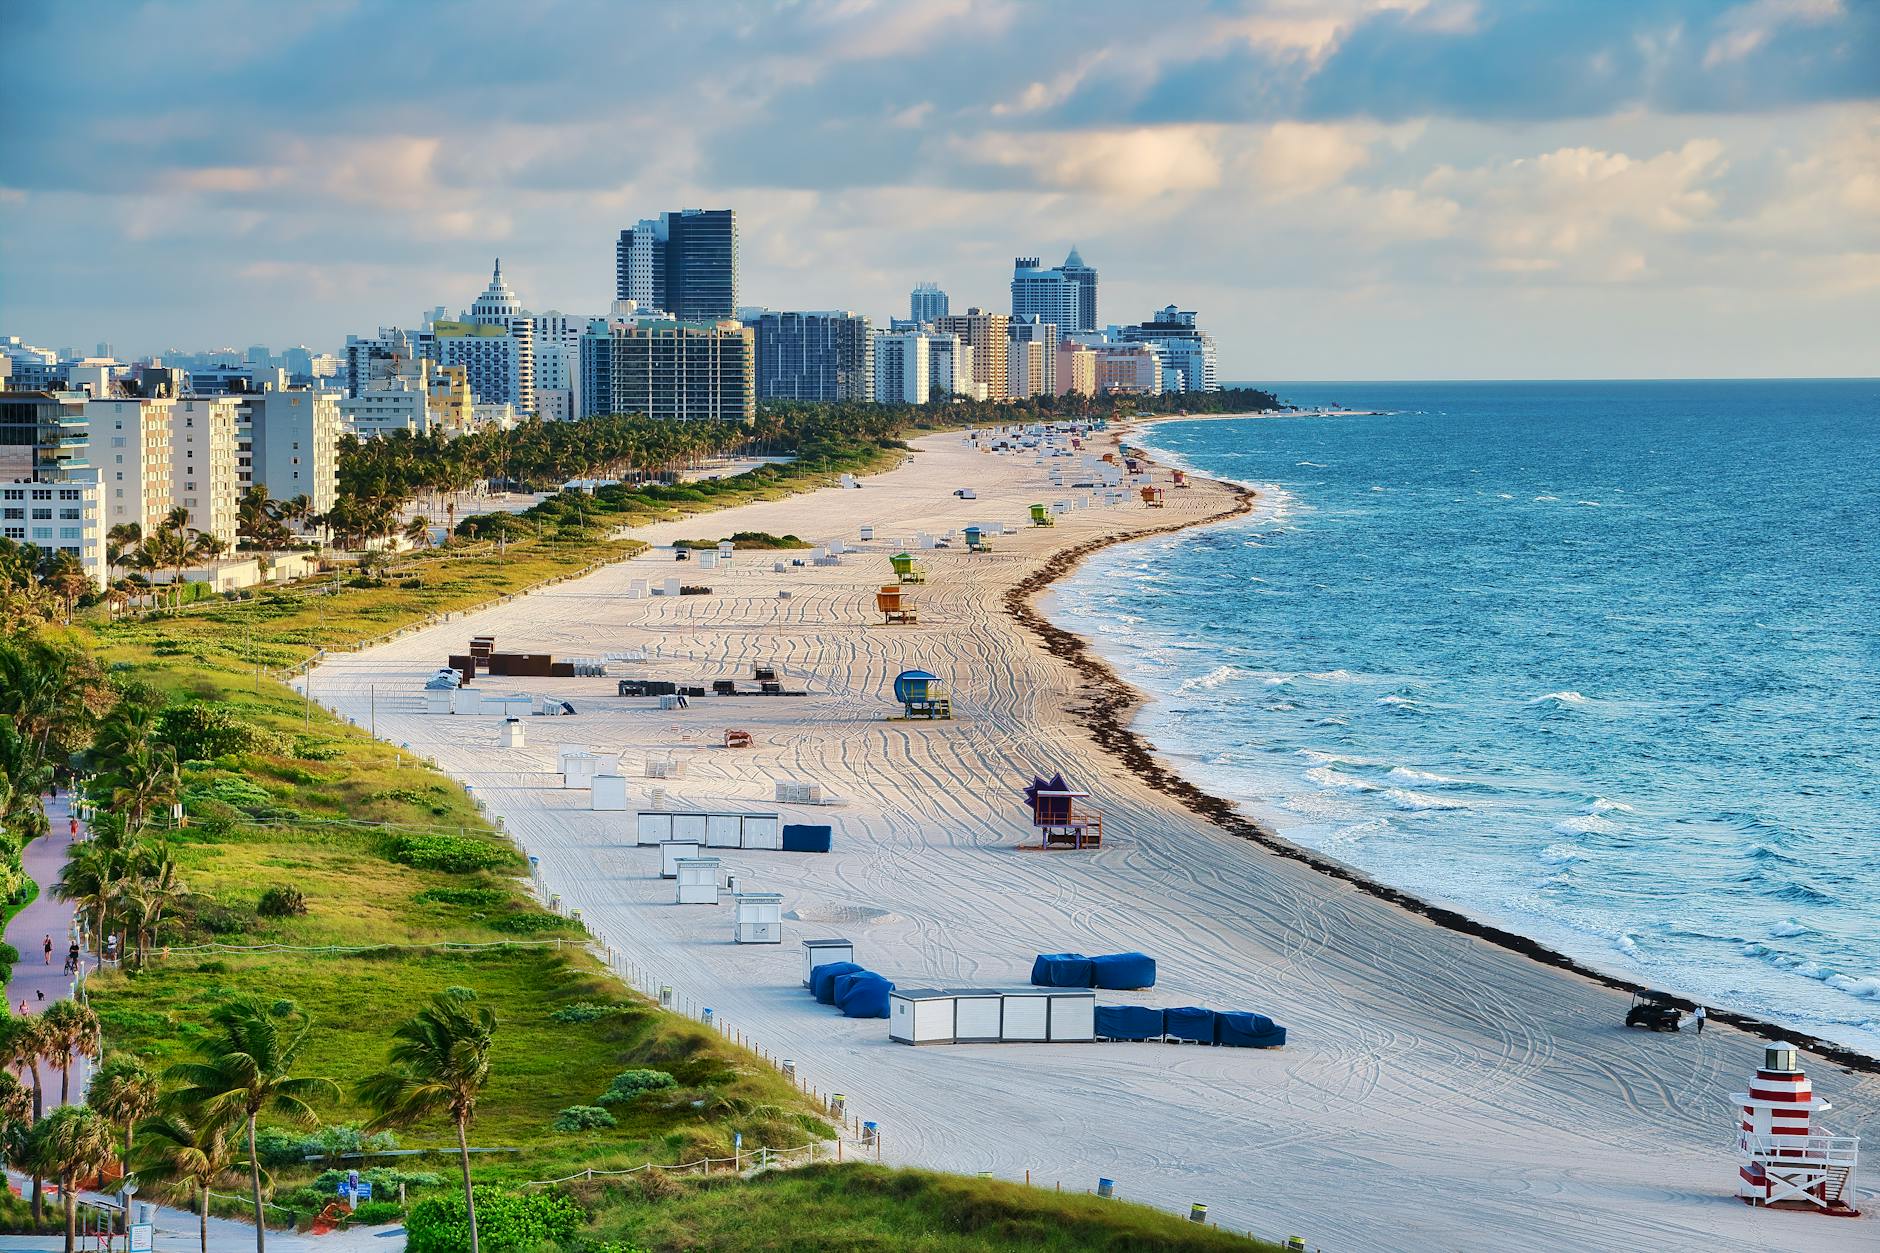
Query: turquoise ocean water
{"type": "Point", "coordinates": [1598, 662]}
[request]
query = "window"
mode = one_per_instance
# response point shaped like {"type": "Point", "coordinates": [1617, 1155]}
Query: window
{"type": "Point", "coordinates": [42, 515]}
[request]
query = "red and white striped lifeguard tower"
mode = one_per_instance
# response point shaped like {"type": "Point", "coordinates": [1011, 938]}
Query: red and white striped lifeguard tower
{"type": "Point", "coordinates": [1785, 1159]}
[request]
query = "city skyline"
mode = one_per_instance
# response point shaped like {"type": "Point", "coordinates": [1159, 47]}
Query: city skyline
{"type": "Point", "coordinates": [1341, 190]}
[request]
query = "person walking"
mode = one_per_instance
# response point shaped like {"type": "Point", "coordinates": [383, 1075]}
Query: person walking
{"type": "Point", "coordinates": [1700, 1016]}
{"type": "Point", "coordinates": [48, 949]}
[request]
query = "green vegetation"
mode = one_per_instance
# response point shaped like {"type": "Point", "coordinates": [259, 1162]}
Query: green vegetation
{"type": "Point", "coordinates": [861, 1208]}
{"type": "Point", "coordinates": [763, 540]}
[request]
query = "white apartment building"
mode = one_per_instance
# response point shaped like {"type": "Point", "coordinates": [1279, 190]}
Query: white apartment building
{"type": "Point", "coordinates": [293, 443]}
{"type": "Point", "coordinates": [558, 364]}
{"type": "Point", "coordinates": [950, 367]}
{"type": "Point", "coordinates": [65, 516]}
{"type": "Point", "coordinates": [130, 446]}
{"type": "Point", "coordinates": [387, 405]}
{"type": "Point", "coordinates": [204, 475]}
{"type": "Point", "coordinates": [903, 368]}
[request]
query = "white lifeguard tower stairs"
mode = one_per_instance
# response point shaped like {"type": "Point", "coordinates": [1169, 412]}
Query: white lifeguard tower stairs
{"type": "Point", "coordinates": [1783, 1158]}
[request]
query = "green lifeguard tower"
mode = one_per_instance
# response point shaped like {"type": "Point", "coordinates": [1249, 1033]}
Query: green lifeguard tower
{"type": "Point", "coordinates": [975, 540]}
{"type": "Point", "coordinates": [1041, 516]}
{"type": "Point", "coordinates": [906, 569]}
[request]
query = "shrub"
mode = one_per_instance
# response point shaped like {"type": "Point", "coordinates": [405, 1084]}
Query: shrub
{"type": "Point", "coordinates": [9, 956]}
{"type": "Point", "coordinates": [628, 1086]}
{"type": "Point", "coordinates": [453, 854]}
{"type": "Point", "coordinates": [528, 924]}
{"type": "Point", "coordinates": [229, 789]}
{"type": "Point", "coordinates": [200, 730]}
{"type": "Point", "coordinates": [584, 1118]}
{"type": "Point", "coordinates": [282, 902]}
{"type": "Point", "coordinates": [374, 1213]}
{"type": "Point", "coordinates": [473, 898]}
{"type": "Point", "coordinates": [583, 1011]}
{"type": "Point", "coordinates": [507, 1222]}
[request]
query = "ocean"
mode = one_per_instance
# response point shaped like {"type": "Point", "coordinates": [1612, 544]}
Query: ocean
{"type": "Point", "coordinates": [1596, 662]}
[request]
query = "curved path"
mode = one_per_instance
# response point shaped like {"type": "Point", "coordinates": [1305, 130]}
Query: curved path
{"type": "Point", "coordinates": [37, 982]}
{"type": "Point", "coordinates": [1437, 1091]}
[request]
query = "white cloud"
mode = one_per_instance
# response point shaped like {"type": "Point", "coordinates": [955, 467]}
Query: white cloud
{"type": "Point", "coordinates": [1748, 27]}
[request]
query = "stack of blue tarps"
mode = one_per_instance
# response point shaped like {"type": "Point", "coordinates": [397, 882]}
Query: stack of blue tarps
{"type": "Point", "coordinates": [822, 980]}
{"type": "Point", "coordinates": [862, 994]}
{"type": "Point", "coordinates": [1061, 970]}
{"type": "Point", "coordinates": [801, 838]}
{"type": "Point", "coordinates": [1129, 1022]}
{"type": "Point", "coordinates": [1247, 1031]}
{"type": "Point", "coordinates": [1189, 1022]}
{"type": "Point", "coordinates": [1122, 971]}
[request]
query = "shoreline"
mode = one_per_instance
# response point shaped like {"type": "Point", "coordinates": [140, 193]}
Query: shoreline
{"type": "Point", "coordinates": [1109, 720]}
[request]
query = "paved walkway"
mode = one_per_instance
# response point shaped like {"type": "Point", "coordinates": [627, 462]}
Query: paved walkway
{"type": "Point", "coordinates": [178, 1232]}
{"type": "Point", "coordinates": [37, 983]}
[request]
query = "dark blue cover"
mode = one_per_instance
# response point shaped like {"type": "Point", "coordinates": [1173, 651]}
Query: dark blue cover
{"type": "Point", "coordinates": [1189, 1022]}
{"type": "Point", "coordinates": [822, 980]}
{"type": "Point", "coordinates": [801, 838]}
{"type": "Point", "coordinates": [863, 994]}
{"type": "Point", "coordinates": [1247, 1031]}
{"type": "Point", "coordinates": [1118, 971]}
{"type": "Point", "coordinates": [1061, 970]}
{"type": "Point", "coordinates": [1128, 1022]}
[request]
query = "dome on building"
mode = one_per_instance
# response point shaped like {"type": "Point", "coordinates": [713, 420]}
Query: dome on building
{"type": "Point", "coordinates": [1075, 260]}
{"type": "Point", "coordinates": [498, 304]}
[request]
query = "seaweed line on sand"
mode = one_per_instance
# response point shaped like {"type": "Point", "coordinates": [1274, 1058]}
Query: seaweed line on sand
{"type": "Point", "coordinates": [1109, 708]}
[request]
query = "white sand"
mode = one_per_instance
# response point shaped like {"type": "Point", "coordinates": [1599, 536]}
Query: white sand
{"type": "Point", "coordinates": [1437, 1092]}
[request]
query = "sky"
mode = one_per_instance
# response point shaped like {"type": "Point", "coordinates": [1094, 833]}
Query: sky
{"type": "Point", "coordinates": [1340, 189]}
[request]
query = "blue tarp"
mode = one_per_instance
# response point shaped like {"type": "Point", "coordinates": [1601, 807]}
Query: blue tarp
{"type": "Point", "coordinates": [1119, 971]}
{"type": "Point", "coordinates": [822, 980]}
{"type": "Point", "coordinates": [1129, 1022]}
{"type": "Point", "coordinates": [863, 995]}
{"type": "Point", "coordinates": [800, 838]}
{"type": "Point", "coordinates": [1247, 1031]}
{"type": "Point", "coordinates": [1061, 970]}
{"type": "Point", "coordinates": [1189, 1022]}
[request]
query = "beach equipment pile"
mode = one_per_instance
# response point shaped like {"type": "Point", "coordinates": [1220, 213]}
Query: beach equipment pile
{"type": "Point", "coordinates": [1111, 971]}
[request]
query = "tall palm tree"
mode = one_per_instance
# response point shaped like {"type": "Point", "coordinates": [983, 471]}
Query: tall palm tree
{"type": "Point", "coordinates": [440, 1062]}
{"type": "Point", "coordinates": [157, 886]}
{"type": "Point", "coordinates": [181, 1147]}
{"type": "Point", "coordinates": [247, 1068]}
{"type": "Point", "coordinates": [72, 1145]}
{"type": "Point", "coordinates": [125, 1091]}
{"type": "Point", "coordinates": [94, 878]}
{"type": "Point", "coordinates": [72, 1031]}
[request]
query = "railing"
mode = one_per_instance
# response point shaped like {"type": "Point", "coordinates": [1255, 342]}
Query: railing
{"type": "Point", "coordinates": [1825, 1150]}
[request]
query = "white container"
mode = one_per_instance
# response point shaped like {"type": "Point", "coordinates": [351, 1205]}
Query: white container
{"type": "Point", "coordinates": [636, 589]}
{"type": "Point", "coordinates": [670, 854]}
{"type": "Point", "coordinates": [868, 533]}
{"type": "Point", "coordinates": [670, 587]}
{"type": "Point", "coordinates": [724, 831]}
{"type": "Point", "coordinates": [654, 828]}
{"type": "Point", "coordinates": [920, 1016]}
{"type": "Point", "coordinates": [438, 701]}
{"type": "Point", "coordinates": [1027, 1016]}
{"type": "Point", "coordinates": [763, 831]}
{"type": "Point", "coordinates": [707, 560]}
{"type": "Point", "coordinates": [978, 1016]}
{"type": "Point", "coordinates": [688, 826]}
{"type": "Point", "coordinates": [822, 952]}
{"type": "Point", "coordinates": [1073, 1017]}
{"type": "Point", "coordinates": [578, 768]}
{"type": "Point", "coordinates": [760, 918]}
{"type": "Point", "coordinates": [466, 700]}
{"type": "Point", "coordinates": [698, 880]}
{"type": "Point", "coordinates": [609, 792]}
{"type": "Point", "coordinates": [509, 733]}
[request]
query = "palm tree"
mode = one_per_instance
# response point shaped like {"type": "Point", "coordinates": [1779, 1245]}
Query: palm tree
{"type": "Point", "coordinates": [68, 581]}
{"type": "Point", "coordinates": [440, 1061]}
{"type": "Point", "coordinates": [125, 1091]}
{"type": "Point", "coordinates": [93, 878]}
{"type": "Point", "coordinates": [157, 886]}
{"type": "Point", "coordinates": [72, 1145]}
{"type": "Point", "coordinates": [72, 1031]}
{"type": "Point", "coordinates": [248, 1068]}
{"type": "Point", "coordinates": [180, 1147]}
{"type": "Point", "coordinates": [418, 531]}
{"type": "Point", "coordinates": [120, 541]}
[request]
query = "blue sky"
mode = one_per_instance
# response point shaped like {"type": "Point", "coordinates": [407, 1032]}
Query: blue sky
{"type": "Point", "coordinates": [1341, 188]}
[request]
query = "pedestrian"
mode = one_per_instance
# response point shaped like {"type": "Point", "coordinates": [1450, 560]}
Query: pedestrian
{"type": "Point", "coordinates": [1700, 1016]}
{"type": "Point", "coordinates": [41, 992]}
{"type": "Point", "coordinates": [74, 828]}
{"type": "Point", "coordinates": [48, 950]}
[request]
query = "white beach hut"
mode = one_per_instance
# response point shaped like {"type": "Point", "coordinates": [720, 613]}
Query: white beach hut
{"type": "Point", "coordinates": [725, 549]}
{"type": "Point", "coordinates": [466, 700]}
{"type": "Point", "coordinates": [509, 733]}
{"type": "Point", "coordinates": [707, 560]}
{"type": "Point", "coordinates": [578, 767]}
{"type": "Point", "coordinates": [822, 952]}
{"type": "Point", "coordinates": [978, 1016]}
{"type": "Point", "coordinates": [671, 853]}
{"type": "Point", "coordinates": [698, 880]}
{"type": "Point", "coordinates": [609, 792]}
{"type": "Point", "coordinates": [1034, 1014]}
{"type": "Point", "coordinates": [760, 918]}
{"type": "Point", "coordinates": [868, 533]}
{"type": "Point", "coordinates": [921, 1016]}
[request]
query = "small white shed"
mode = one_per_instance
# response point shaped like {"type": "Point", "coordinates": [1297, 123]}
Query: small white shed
{"type": "Point", "coordinates": [670, 854]}
{"type": "Point", "coordinates": [921, 1015]}
{"type": "Point", "coordinates": [437, 700]}
{"type": "Point", "coordinates": [724, 831]}
{"type": "Point", "coordinates": [763, 831]}
{"type": "Point", "coordinates": [509, 733]}
{"type": "Point", "coordinates": [609, 792]}
{"type": "Point", "coordinates": [760, 918]}
{"type": "Point", "coordinates": [1033, 1014]}
{"type": "Point", "coordinates": [725, 549]}
{"type": "Point", "coordinates": [978, 1016]}
{"type": "Point", "coordinates": [707, 559]}
{"type": "Point", "coordinates": [698, 880]}
{"type": "Point", "coordinates": [578, 768]}
{"type": "Point", "coordinates": [822, 952]}
{"type": "Point", "coordinates": [466, 700]}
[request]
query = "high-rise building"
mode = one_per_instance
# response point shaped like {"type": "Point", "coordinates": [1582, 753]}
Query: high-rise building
{"type": "Point", "coordinates": [495, 344]}
{"type": "Point", "coordinates": [204, 474]}
{"type": "Point", "coordinates": [903, 367]}
{"type": "Point", "coordinates": [825, 357]}
{"type": "Point", "coordinates": [63, 516]}
{"type": "Point", "coordinates": [1076, 369]}
{"type": "Point", "coordinates": [1065, 295]}
{"type": "Point", "coordinates": [926, 304]}
{"type": "Point", "coordinates": [669, 369]}
{"type": "Point", "coordinates": [950, 368]}
{"type": "Point", "coordinates": [986, 333]}
{"type": "Point", "coordinates": [1186, 349]}
{"type": "Point", "coordinates": [131, 447]}
{"type": "Point", "coordinates": [1134, 368]}
{"type": "Point", "coordinates": [43, 434]}
{"type": "Point", "coordinates": [702, 264]}
{"type": "Point", "coordinates": [292, 440]}
{"type": "Point", "coordinates": [640, 264]}
{"type": "Point", "coordinates": [1031, 357]}
{"type": "Point", "coordinates": [558, 364]}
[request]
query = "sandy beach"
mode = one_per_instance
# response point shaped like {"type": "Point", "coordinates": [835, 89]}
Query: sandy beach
{"type": "Point", "coordinates": [1437, 1090]}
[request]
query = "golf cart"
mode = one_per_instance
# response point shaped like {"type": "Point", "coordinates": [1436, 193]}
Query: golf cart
{"type": "Point", "coordinates": [1653, 1011]}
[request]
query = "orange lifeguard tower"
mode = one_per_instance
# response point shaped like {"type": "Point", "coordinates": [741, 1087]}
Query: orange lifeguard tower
{"type": "Point", "coordinates": [735, 738]}
{"type": "Point", "coordinates": [1178, 477]}
{"type": "Point", "coordinates": [895, 604]}
{"type": "Point", "coordinates": [1152, 497]}
{"type": "Point", "coordinates": [1060, 820]}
